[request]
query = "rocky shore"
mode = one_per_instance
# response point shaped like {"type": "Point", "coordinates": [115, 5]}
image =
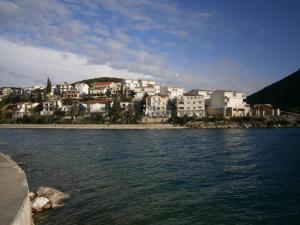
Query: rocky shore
{"type": "Point", "coordinates": [238, 123]}
{"type": "Point", "coordinates": [46, 198]}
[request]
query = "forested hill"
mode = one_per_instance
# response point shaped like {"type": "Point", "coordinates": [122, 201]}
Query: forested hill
{"type": "Point", "coordinates": [100, 79]}
{"type": "Point", "coordinates": [284, 94]}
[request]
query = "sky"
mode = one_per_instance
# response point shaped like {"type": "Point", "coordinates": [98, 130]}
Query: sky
{"type": "Point", "coordinates": [196, 44]}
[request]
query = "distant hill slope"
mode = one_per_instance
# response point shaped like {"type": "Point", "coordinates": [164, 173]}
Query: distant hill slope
{"type": "Point", "coordinates": [284, 94]}
{"type": "Point", "coordinates": [100, 79]}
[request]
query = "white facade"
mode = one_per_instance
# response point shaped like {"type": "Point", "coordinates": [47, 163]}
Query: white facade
{"type": "Point", "coordinates": [82, 88]}
{"type": "Point", "coordinates": [24, 109]}
{"type": "Point", "coordinates": [64, 87]}
{"type": "Point", "coordinates": [172, 92]}
{"type": "Point", "coordinates": [205, 93]}
{"type": "Point", "coordinates": [131, 84]}
{"type": "Point", "coordinates": [191, 105]}
{"type": "Point", "coordinates": [102, 88]}
{"type": "Point", "coordinates": [228, 103]}
{"type": "Point", "coordinates": [156, 106]}
{"type": "Point", "coordinates": [145, 83]}
{"type": "Point", "coordinates": [7, 91]}
{"type": "Point", "coordinates": [54, 90]}
{"type": "Point", "coordinates": [50, 106]}
{"type": "Point", "coordinates": [97, 106]}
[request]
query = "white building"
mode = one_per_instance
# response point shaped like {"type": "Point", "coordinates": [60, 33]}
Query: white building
{"type": "Point", "coordinates": [7, 91]}
{"type": "Point", "coordinates": [145, 83]}
{"type": "Point", "coordinates": [54, 90]}
{"type": "Point", "coordinates": [97, 105]}
{"type": "Point", "coordinates": [82, 89]}
{"type": "Point", "coordinates": [24, 109]}
{"type": "Point", "coordinates": [191, 104]}
{"type": "Point", "coordinates": [205, 93]}
{"type": "Point", "coordinates": [156, 106]}
{"type": "Point", "coordinates": [103, 88]}
{"type": "Point", "coordinates": [139, 93]}
{"type": "Point", "coordinates": [228, 103]}
{"type": "Point", "coordinates": [50, 106]}
{"type": "Point", "coordinates": [64, 87]}
{"type": "Point", "coordinates": [172, 92]}
{"type": "Point", "coordinates": [131, 84]}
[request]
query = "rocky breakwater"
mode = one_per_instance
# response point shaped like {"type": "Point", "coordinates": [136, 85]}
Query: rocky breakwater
{"type": "Point", "coordinates": [271, 122]}
{"type": "Point", "coordinates": [46, 198]}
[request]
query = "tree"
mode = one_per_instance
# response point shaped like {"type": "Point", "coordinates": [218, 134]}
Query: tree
{"type": "Point", "coordinates": [143, 103]}
{"type": "Point", "coordinates": [172, 108]}
{"type": "Point", "coordinates": [115, 112]}
{"type": "Point", "coordinates": [48, 87]}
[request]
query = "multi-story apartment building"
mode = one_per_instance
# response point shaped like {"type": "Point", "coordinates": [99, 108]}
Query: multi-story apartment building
{"type": "Point", "coordinates": [157, 106]}
{"type": "Point", "coordinates": [228, 104]}
{"type": "Point", "coordinates": [50, 106]}
{"type": "Point", "coordinates": [191, 104]}
{"type": "Point", "coordinates": [24, 109]}
{"type": "Point", "coordinates": [64, 87]}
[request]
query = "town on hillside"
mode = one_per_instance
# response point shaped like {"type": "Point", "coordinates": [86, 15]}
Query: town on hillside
{"type": "Point", "coordinates": [122, 101]}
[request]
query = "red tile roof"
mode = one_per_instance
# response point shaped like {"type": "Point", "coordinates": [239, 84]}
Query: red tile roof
{"type": "Point", "coordinates": [101, 83]}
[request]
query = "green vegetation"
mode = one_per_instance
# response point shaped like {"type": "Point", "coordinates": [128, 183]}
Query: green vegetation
{"type": "Point", "coordinates": [100, 79]}
{"type": "Point", "coordinates": [48, 87]}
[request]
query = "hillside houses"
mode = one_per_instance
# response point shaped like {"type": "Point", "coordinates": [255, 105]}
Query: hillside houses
{"type": "Point", "coordinates": [131, 97]}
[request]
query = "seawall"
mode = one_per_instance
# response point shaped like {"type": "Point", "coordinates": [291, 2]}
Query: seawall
{"type": "Point", "coordinates": [15, 208]}
{"type": "Point", "coordinates": [93, 126]}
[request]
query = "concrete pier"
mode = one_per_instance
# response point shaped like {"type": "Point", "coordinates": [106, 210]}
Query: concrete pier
{"type": "Point", "coordinates": [15, 208]}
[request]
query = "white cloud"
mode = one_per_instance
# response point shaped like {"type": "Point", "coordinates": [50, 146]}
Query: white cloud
{"type": "Point", "coordinates": [24, 64]}
{"type": "Point", "coordinates": [8, 7]}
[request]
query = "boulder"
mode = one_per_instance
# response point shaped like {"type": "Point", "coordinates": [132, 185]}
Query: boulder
{"type": "Point", "coordinates": [40, 203]}
{"type": "Point", "coordinates": [32, 195]}
{"type": "Point", "coordinates": [55, 196]}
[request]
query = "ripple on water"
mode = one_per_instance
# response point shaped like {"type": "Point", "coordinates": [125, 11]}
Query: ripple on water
{"type": "Point", "coordinates": [216, 176]}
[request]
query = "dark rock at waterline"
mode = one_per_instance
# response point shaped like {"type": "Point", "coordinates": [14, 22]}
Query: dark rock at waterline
{"type": "Point", "coordinates": [46, 197]}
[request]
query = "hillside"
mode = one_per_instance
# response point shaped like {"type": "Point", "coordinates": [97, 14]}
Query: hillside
{"type": "Point", "coordinates": [284, 94]}
{"type": "Point", "coordinates": [100, 79]}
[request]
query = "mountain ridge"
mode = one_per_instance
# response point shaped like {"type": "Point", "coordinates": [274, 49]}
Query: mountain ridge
{"type": "Point", "coordinates": [284, 94]}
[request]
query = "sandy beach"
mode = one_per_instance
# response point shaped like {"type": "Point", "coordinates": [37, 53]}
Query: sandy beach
{"type": "Point", "coordinates": [91, 126]}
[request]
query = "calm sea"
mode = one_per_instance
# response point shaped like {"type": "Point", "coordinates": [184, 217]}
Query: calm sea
{"type": "Point", "coordinates": [168, 177]}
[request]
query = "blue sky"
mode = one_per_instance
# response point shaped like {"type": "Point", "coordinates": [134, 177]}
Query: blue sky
{"type": "Point", "coordinates": [242, 45]}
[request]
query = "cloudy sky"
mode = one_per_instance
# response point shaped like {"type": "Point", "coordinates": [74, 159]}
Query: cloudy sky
{"type": "Point", "coordinates": [207, 44]}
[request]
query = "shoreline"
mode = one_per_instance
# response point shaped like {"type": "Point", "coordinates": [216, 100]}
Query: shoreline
{"type": "Point", "coordinates": [138, 126]}
{"type": "Point", "coordinates": [93, 126]}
